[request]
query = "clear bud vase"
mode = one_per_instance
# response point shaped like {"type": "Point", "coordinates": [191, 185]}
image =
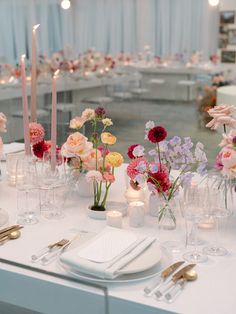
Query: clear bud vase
{"type": "Point", "coordinates": [166, 217]}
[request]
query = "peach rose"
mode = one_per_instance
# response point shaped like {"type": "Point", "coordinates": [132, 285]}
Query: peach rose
{"type": "Point", "coordinates": [76, 145]}
{"type": "Point", "coordinates": [108, 138]}
{"type": "Point", "coordinates": [77, 123]}
{"type": "Point", "coordinates": [228, 161]}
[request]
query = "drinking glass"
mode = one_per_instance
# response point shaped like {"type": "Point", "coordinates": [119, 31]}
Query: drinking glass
{"type": "Point", "coordinates": [217, 210]}
{"type": "Point", "coordinates": [27, 190]}
{"type": "Point", "coordinates": [11, 163]}
{"type": "Point", "coordinates": [53, 183]}
{"type": "Point", "coordinates": [195, 208]}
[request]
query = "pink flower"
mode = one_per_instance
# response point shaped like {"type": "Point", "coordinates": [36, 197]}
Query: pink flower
{"type": "Point", "coordinates": [37, 133]}
{"type": "Point", "coordinates": [77, 123]}
{"type": "Point", "coordinates": [3, 121]}
{"type": "Point", "coordinates": [76, 145]}
{"type": "Point", "coordinates": [229, 162]}
{"type": "Point", "coordinates": [133, 167]}
{"type": "Point", "coordinates": [89, 160]}
{"type": "Point", "coordinates": [88, 114]}
{"type": "Point", "coordinates": [1, 146]}
{"type": "Point", "coordinates": [228, 139]}
{"type": "Point", "coordinates": [130, 151]}
{"type": "Point", "coordinates": [109, 177]}
{"type": "Point", "coordinates": [218, 162]}
{"type": "Point", "coordinates": [101, 149]}
{"type": "Point", "coordinates": [94, 175]}
{"type": "Point", "coordinates": [222, 115]}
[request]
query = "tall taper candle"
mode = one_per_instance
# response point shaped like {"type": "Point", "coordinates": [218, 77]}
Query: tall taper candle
{"type": "Point", "coordinates": [25, 107]}
{"type": "Point", "coordinates": [54, 122]}
{"type": "Point", "coordinates": [33, 75]}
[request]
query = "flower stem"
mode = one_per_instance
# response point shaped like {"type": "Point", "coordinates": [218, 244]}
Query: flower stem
{"type": "Point", "coordinates": [159, 155]}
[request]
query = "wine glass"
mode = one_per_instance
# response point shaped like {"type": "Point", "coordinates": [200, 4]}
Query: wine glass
{"type": "Point", "coordinates": [217, 210]}
{"type": "Point", "coordinates": [195, 208]}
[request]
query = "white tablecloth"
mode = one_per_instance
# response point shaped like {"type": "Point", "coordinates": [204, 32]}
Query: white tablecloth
{"type": "Point", "coordinates": [213, 292]}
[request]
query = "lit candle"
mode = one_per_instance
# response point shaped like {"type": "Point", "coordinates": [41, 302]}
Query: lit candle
{"type": "Point", "coordinates": [33, 75]}
{"type": "Point", "coordinates": [132, 195]}
{"type": "Point", "coordinates": [25, 107]}
{"type": "Point", "coordinates": [54, 122]}
{"type": "Point", "coordinates": [136, 214]}
{"type": "Point", "coordinates": [114, 219]}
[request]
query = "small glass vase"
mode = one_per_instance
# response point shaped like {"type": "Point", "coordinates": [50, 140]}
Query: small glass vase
{"type": "Point", "coordinates": [166, 217]}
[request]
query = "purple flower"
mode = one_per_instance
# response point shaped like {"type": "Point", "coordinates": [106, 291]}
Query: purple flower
{"type": "Point", "coordinates": [176, 140]}
{"type": "Point", "coordinates": [141, 167]}
{"type": "Point", "coordinates": [186, 178]}
{"type": "Point", "coordinates": [153, 168]}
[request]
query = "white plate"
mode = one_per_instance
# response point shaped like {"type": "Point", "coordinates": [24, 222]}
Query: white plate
{"type": "Point", "coordinates": [144, 266]}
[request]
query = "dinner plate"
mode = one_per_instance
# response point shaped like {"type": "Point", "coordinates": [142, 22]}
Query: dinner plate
{"type": "Point", "coordinates": [145, 264]}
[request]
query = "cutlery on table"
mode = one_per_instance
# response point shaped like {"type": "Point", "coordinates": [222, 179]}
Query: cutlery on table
{"type": "Point", "coordinates": [169, 284]}
{"type": "Point", "coordinates": [13, 235]}
{"type": "Point", "coordinates": [49, 253]}
{"type": "Point", "coordinates": [161, 278]}
{"type": "Point", "coordinates": [6, 232]}
{"type": "Point", "coordinates": [190, 275]}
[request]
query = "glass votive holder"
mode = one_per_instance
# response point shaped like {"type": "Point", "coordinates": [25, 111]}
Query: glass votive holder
{"type": "Point", "coordinates": [114, 219]}
{"type": "Point", "coordinates": [132, 195]}
{"type": "Point", "coordinates": [27, 206]}
{"type": "Point", "coordinates": [11, 168]}
{"type": "Point", "coordinates": [136, 212]}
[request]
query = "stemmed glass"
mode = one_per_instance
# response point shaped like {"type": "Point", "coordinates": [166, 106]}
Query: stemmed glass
{"type": "Point", "coordinates": [27, 190]}
{"type": "Point", "coordinates": [195, 208]}
{"type": "Point", "coordinates": [52, 183]}
{"type": "Point", "coordinates": [217, 210]}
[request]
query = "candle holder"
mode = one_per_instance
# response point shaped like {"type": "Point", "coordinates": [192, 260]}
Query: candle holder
{"type": "Point", "coordinates": [11, 168]}
{"type": "Point", "coordinates": [136, 212]}
{"type": "Point", "coordinates": [114, 219]}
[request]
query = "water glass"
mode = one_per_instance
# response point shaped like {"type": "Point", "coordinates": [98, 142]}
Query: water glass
{"type": "Point", "coordinates": [11, 163]}
{"type": "Point", "coordinates": [27, 206]}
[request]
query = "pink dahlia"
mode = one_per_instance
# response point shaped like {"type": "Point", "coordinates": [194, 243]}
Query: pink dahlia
{"type": "Point", "coordinates": [157, 134]}
{"type": "Point", "coordinates": [218, 162]}
{"type": "Point", "coordinates": [137, 166]}
{"type": "Point", "coordinates": [36, 132]}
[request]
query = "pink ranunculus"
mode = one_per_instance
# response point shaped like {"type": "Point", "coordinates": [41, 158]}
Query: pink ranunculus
{"type": "Point", "coordinates": [37, 133]}
{"type": "Point", "coordinates": [76, 145]}
{"type": "Point", "coordinates": [94, 176]}
{"type": "Point", "coordinates": [220, 110]}
{"type": "Point", "coordinates": [228, 139]}
{"type": "Point", "coordinates": [89, 160]}
{"type": "Point", "coordinates": [101, 149]}
{"type": "Point", "coordinates": [3, 121]}
{"type": "Point", "coordinates": [109, 177]}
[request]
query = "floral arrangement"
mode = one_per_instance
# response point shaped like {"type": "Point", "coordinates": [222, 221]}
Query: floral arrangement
{"type": "Point", "coordinates": [166, 156]}
{"type": "Point", "coordinates": [223, 116]}
{"type": "Point", "coordinates": [3, 129]}
{"type": "Point", "coordinates": [93, 156]}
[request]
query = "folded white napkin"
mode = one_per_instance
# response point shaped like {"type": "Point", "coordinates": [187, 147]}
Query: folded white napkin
{"type": "Point", "coordinates": [12, 148]}
{"type": "Point", "coordinates": [105, 255]}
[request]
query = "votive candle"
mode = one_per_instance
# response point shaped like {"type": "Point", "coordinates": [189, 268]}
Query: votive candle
{"type": "Point", "coordinates": [136, 212]}
{"type": "Point", "coordinates": [114, 218]}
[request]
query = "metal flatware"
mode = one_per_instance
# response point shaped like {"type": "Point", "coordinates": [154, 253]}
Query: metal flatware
{"type": "Point", "coordinates": [169, 284]}
{"type": "Point", "coordinates": [190, 275]}
{"type": "Point", "coordinates": [8, 228]}
{"type": "Point", "coordinates": [15, 234]}
{"type": "Point", "coordinates": [49, 249]}
{"type": "Point", "coordinates": [6, 233]}
{"type": "Point", "coordinates": [161, 278]}
{"type": "Point", "coordinates": [51, 256]}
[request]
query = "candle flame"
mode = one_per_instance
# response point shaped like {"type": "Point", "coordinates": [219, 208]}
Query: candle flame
{"type": "Point", "coordinates": [23, 57]}
{"type": "Point", "coordinates": [55, 75]}
{"type": "Point", "coordinates": [35, 27]}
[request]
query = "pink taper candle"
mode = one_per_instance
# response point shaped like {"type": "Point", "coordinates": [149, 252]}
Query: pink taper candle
{"type": "Point", "coordinates": [54, 122]}
{"type": "Point", "coordinates": [33, 75]}
{"type": "Point", "coordinates": [25, 107]}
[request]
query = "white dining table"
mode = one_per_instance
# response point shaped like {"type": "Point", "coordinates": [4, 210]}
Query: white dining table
{"type": "Point", "coordinates": [22, 286]}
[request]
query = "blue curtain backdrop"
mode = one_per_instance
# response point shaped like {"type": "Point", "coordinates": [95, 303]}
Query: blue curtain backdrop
{"type": "Point", "coordinates": [168, 26]}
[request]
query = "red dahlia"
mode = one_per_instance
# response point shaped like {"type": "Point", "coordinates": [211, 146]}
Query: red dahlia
{"type": "Point", "coordinates": [160, 179]}
{"type": "Point", "coordinates": [157, 134]}
{"type": "Point", "coordinates": [40, 148]}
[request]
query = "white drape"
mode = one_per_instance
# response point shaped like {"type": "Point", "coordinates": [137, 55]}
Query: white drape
{"type": "Point", "coordinates": [168, 26]}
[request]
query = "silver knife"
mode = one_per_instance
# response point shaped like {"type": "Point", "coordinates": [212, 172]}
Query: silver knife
{"type": "Point", "coordinates": [166, 286]}
{"type": "Point", "coordinates": [161, 278]}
